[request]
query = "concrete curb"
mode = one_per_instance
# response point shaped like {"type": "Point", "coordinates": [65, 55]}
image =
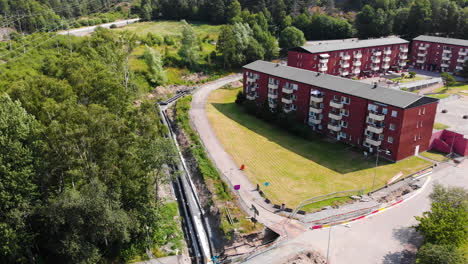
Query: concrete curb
{"type": "Point", "coordinates": [392, 204]}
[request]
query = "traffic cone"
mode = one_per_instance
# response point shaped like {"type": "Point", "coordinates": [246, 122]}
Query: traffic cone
{"type": "Point", "coordinates": [242, 167]}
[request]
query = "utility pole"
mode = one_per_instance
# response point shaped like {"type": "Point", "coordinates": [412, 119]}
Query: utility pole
{"type": "Point", "coordinates": [328, 247]}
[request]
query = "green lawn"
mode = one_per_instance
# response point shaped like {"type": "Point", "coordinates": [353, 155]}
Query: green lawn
{"type": "Point", "coordinates": [440, 126]}
{"type": "Point", "coordinates": [407, 80]}
{"type": "Point", "coordinates": [446, 91]}
{"type": "Point", "coordinates": [172, 28]}
{"type": "Point", "coordinates": [434, 155]}
{"type": "Point", "coordinates": [297, 169]}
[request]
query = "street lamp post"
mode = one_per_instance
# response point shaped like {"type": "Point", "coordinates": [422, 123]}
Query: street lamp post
{"type": "Point", "coordinates": [376, 165]}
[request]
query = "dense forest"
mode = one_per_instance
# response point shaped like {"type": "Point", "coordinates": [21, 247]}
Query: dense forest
{"type": "Point", "coordinates": [80, 163]}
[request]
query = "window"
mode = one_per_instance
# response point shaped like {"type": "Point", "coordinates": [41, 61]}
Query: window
{"type": "Point", "coordinates": [372, 107]}
{"type": "Point", "coordinates": [394, 113]}
{"type": "Point", "coordinates": [392, 126]}
{"type": "Point", "coordinates": [419, 111]}
{"type": "Point", "coordinates": [415, 137]}
{"type": "Point", "coordinates": [381, 137]}
{"type": "Point", "coordinates": [345, 112]}
{"type": "Point", "coordinates": [384, 111]}
{"type": "Point", "coordinates": [424, 111]}
{"type": "Point", "coordinates": [390, 139]}
{"type": "Point", "coordinates": [294, 86]}
{"type": "Point", "coordinates": [343, 134]}
{"type": "Point", "coordinates": [294, 97]}
{"type": "Point", "coordinates": [345, 99]}
{"type": "Point", "coordinates": [335, 97]}
{"type": "Point", "coordinates": [343, 124]}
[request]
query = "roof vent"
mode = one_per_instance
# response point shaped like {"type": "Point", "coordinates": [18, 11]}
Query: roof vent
{"type": "Point", "coordinates": [277, 65]}
{"type": "Point", "coordinates": [318, 73]}
{"type": "Point", "coordinates": [375, 85]}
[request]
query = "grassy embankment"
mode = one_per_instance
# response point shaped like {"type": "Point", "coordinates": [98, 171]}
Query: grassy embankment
{"type": "Point", "coordinates": [296, 168]}
{"type": "Point", "coordinates": [221, 194]}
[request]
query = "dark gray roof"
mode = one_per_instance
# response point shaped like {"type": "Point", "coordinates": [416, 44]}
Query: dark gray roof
{"type": "Point", "coordinates": [384, 95]}
{"type": "Point", "coordinates": [452, 41]}
{"type": "Point", "coordinates": [351, 44]}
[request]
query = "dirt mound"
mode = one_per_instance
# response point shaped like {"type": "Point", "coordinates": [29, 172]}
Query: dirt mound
{"type": "Point", "coordinates": [306, 258]}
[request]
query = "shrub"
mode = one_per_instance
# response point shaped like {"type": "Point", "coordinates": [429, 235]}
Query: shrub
{"type": "Point", "coordinates": [439, 254]}
{"type": "Point", "coordinates": [169, 40]}
{"type": "Point", "coordinates": [412, 74]}
{"type": "Point", "coordinates": [449, 80]}
{"type": "Point", "coordinates": [113, 26]}
{"type": "Point", "coordinates": [240, 98]}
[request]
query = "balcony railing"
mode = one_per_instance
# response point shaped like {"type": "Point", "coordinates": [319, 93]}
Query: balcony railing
{"type": "Point", "coordinates": [377, 53]}
{"type": "Point", "coordinates": [444, 65]}
{"type": "Point", "coordinates": [323, 68]}
{"type": "Point", "coordinates": [446, 51]}
{"type": "Point", "coordinates": [345, 57]}
{"type": "Point", "coordinates": [376, 116]}
{"type": "Point", "coordinates": [335, 116]}
{"type": "Point", "coordinates": [420, 60]}
{"type": "Point", "coordinates": [251, 96]}
{"type": "Point", "coordinates": [344, 64]}
{"type": "Point", "coordinates": [375, 68]}
{"type": "Point", "coordinates": [315, 110]}
{"type": "Point", "coordinates": [286, 100]}
{"type": "Point", "coordinates": [314, 121]}
{"type": "Point", "coordinates": [373, 142]}
{"type": "Point", "coordinates": [324, 60]}
{"type": "Point", "coordinates": [273, 86]}
{"type": "Point", "coordinates": [251, 79]}
{"type": "Point", "coordinates": [461, 60]}
{"type": "Point", "coordinates": [316, 99]}
{"type": "Point", "coordinates": [336, 104]}
{"type": "Point", "coordinates": [287, 90]}
{"type": "Point", "coordinates": [422, 48]}
{"type": "Point", "coordinates": [403, 56]}
{"type": "Point", "coordinates": [459, 68]}
{"type": "Point", "coordinates": [385, 66]}
{"type": "Point", "coordinates": [272, 96]}
{"type": "Point", "coordinates": [422, 54]}
{"type": "Point", "coordinates": [344, 73]}
{"type": "Point", "coordinates": [375, 60]}
{"type": "Point", "coordinates": [405, 49]}
{"type": "Point", "coordinates": [387, 52]}
{"type": "Point", "coordinates": [357, 63]}
{"type": "Point", "coordinates": [402, 63]}
{"type": "Point", "coordinates": [375, 129]}
{"type": "Point", "coordinates": [288, 109]}
{"type": "Point", "coordinates": [357, 71]}
{"type": "Point", "coordinates": [358, 55]}
{"type": "Point", "coordinates": [446, 57]}
{"type": "Point", "coordinates": [462, 53]}
{"type": "Point", "coordinates": [386, 59]}
{"type": "Point", "coordinates": [334, 127]}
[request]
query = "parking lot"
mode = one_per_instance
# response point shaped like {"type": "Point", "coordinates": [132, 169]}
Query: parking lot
{"type": "Point", "coordinates": [456, 109]}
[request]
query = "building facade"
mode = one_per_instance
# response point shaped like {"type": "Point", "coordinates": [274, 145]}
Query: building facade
{"type": "Point", "coordinates": [365, 115]}
{"type": "Point", "coordinates": [439, 54]}
{"type": "Point", "coordinates": [352, 58]}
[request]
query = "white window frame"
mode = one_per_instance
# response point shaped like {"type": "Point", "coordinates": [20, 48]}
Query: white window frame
{"type": "Point", "coordinates": [390, 140]}
{"type": "Point", "coordinates": [394, 113]}
{"type": "Point", "coordinates": [392, 127]}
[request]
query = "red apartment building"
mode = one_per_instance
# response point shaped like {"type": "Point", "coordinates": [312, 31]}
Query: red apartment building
{"type": "Point", "coordinates": [439, 54]}
{"type": "Point", "coordinates": [352, 57]}
{"type": "Point", "coordinates": [365, 115]}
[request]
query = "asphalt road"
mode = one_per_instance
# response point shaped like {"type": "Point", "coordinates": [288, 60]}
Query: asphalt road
{"type": "Point", "coordinates": [87, 30]}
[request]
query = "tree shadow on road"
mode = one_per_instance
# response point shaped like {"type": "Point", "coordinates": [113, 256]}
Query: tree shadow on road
{"type": "Point", "coordinates": [411, 240]}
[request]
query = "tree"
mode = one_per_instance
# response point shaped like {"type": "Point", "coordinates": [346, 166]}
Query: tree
{"type": "Point", "coordinates": [291, 37]}
{"type": "Point", "coordinates": [189, 52]}
{"type": "Point", "coordinates": [447, 222]}
{"type": "Point", "coordinates": [439, 254]}
{"type": "Point", "coordinates": [420, 18]}
{"type": "Point", "coordinates": [448, 79]}
{"type": "Point", "coordinates": [233, 43]}
{"type": "Point", "coordinates": [18, 131]}
{"type": "Point", "coordinates": [157, 75]}
{"type": "Point", "coordinates": [464, 72]}
{"type": "Point", "coordinates": [233, 12]}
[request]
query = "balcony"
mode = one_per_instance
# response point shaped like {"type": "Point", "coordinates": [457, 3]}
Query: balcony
{"type": "Point", "coordinates": [446, 51]}
{"type": "Point", "coordinates": [315, 109]}
{"type": "Point", "coordinates": [461, 60]}
{"type": "Point", "coordinates": [316, 99]}
{"type": "Point", "coordinates": [403, 56]}
{"type": "Point", "coordinates": [375, 60]}
{"type": "Point", "coordinates": [459, 68]}
{"type": "Point", "coordinates": [336, 104]}
{"type": "Point", "coordinates": [286, 100]}
{"type": "Point", "coordinates": [422, 54]}
{"type": "Point", "coordinates": [344, 73]}
{"type": "Point", "coordinates": [446, 57]}
{"type": "Point", "coordinates": [357, 71]}
{"type": "Point", "coordinates": [386, 59]}
{"type": "Point", "coordinates": [420, 60]}
{"type": "Point", "coordinates": [444, 65]}
{"type": "Point", "coordinates": [462, 53]}
{"type": "Point", "coordinates": [358, 55]}
{"type": "Point", "coordinates": [345, 57]}
{"type": "Point", "coordinates": [402, 63]}
{"type": "Point", "coordinates": [376, 116]}
{"type": "Point", "coordinates": [373, 142]}
{"type": "Point", "coordinates": [273, 86]}
{"type": "Point", "coordinates": [375, 129]}
{"type": "Point", "coordinates": [314, 121]}
{"type": "Point", "coordinates": [377, 53]}
{"type": "Point", "coordinates": [405, 49]}
{"type": "Point", "coordinates": [375, 68]}
{"type": "Point", "coordinates": [251, 79]}
{"type": "Point", "coordinates": [335, 116]}
{"type": "Point", "coordinates": [385, 66]}
{"type": "Point", "coordinates": [422, 48]}
{"type": "Point", "coordinates": [324, 56]}
{"type": "Point", "coordinates": [287, 90]}
{"type": "Point", "coordinates": [251, 96]}
{"type": "Point", "coordinates": [272, 96]}
{"type": "Point", "coordinates": [323, 68]}
{"type": "Point", "coordinates": [334, 127]}
{"type": "Point", "coordinates": [344, 64]}
{"type": "Point", "coordinates": [357, 63]}
{"type": "Point", "coordinates": [387, 52]}
{"type": "Point", "coordinates": [325, 61]}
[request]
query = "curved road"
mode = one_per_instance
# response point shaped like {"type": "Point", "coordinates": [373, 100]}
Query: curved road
{"type": "Point", "coordinates": [83, 31]}
{"type": "Point", "coordinates": [383, 238]}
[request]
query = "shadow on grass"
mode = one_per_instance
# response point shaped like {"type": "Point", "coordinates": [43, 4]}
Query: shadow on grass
{"type": "Point", "coordinates": [336, 156]}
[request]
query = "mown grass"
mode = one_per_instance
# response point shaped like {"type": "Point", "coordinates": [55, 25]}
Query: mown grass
{"type": "Point", "coordinates": [440, 126]}
{"type": "Point", "coordinates": [171, 28]}
{"type": "Point", "coordinates": [297, 169]}
{"type": "Point", "coordinates": [435, 155]}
